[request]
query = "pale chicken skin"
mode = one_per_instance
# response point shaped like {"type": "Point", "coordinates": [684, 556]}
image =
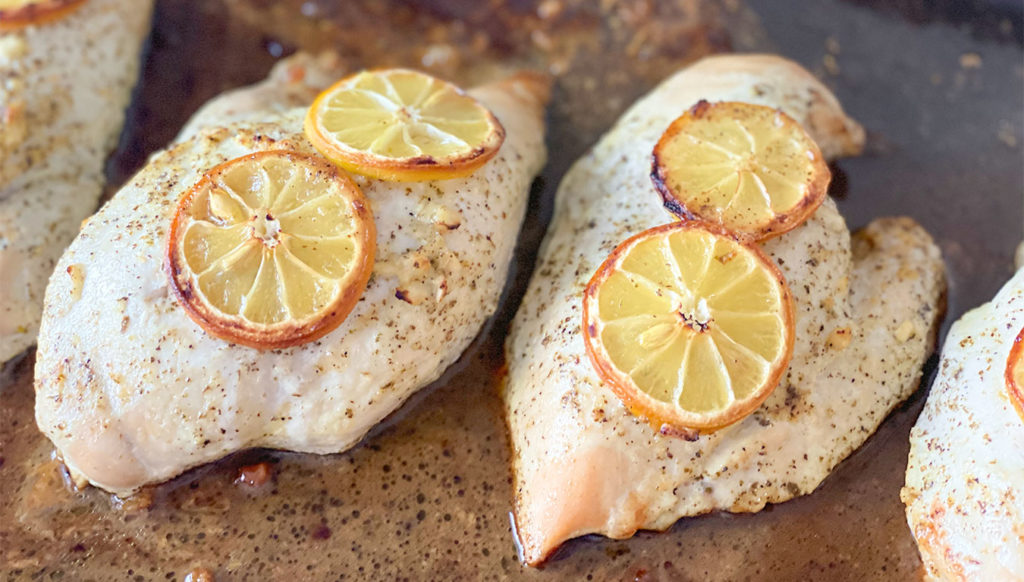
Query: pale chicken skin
{"type": "Point", "coordinates": [131, 391]}
{"type": "Point", "coordinates": [583, 463]}
{"type": "Point", "coordinates": [965, 476]}
{"type": "Point", "coordinates": [64, 87]}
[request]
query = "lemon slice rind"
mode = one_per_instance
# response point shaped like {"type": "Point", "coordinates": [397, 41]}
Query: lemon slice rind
{"type": "Point", "coordinates": [19, 14]}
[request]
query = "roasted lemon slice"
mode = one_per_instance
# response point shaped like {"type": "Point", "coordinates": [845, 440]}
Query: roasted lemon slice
{"type": "Point", "coordinates": [750, 168]}
{"type": "Point", "coordinates": [18, 13]}
{"type": "Point", "coordinates": [402, 125]}
{"type": "Point", "coordinates": [690, 327]}
{"type": "Point", "coordinates": [272, 249]}
{"type": "Point", "coordinates": [1015, 374]}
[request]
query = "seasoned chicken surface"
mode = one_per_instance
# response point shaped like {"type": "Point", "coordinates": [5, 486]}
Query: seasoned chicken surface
{"type": "Point", "coordinates": [293, 82]}
{"type": "Point", "coordinates": [131, 391]}
{"type": "Point", "coordinates": [965, 476]}
{"type": "Point", "coordinates": [64, 86]}
{"type": "Point", "coordinates": [582, 463]}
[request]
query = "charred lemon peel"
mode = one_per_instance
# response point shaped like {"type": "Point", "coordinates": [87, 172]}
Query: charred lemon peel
{"type": "Point", "coordinates": [751, 168]}
{"type": "Point", "coordinates": [271, 250]}
{"type": "Point", "coordinates": [17, 14]}
{"type": "Point", "coordinates": [691, 327]}
{"type": "Point", "coordinates": [402, 125]}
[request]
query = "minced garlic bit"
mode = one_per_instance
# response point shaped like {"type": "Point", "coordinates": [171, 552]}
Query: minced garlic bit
{"type": "Point", "coordinates": [12, 47]}
{"type": "Point", "coordinates": [77, 274]}
{"type": "Point", "coordinates": [441, 217]}
{"type": "Point", "coordinates": [840, 338]}
{"type": "Point", "coordinates": [905, 331]}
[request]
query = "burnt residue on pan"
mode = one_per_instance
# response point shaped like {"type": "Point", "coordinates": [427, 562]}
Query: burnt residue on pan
{"type": "Point", "coordinates": [427, 494]}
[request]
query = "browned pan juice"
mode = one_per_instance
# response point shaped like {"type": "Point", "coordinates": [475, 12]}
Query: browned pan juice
{"type": "Point", "coordinates": [427, 495]}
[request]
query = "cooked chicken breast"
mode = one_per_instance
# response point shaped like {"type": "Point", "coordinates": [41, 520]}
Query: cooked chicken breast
{"type": "Point", "coordinates": [582, 463]}
{"type": "Point", "coordinates": [64, 86]}
{"type": "Point", "coordinates": [131, 391]}
{"type": "Point", "coordinates": [965, 476]}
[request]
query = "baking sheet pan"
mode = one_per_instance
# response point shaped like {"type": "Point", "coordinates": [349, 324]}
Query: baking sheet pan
{"type": "Point", "coordinates": [426, 495]}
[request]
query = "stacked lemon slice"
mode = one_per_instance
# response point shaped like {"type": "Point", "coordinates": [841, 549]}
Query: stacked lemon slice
{"type": "Point", "coordinates": [274, 249]}
{"type": "Point", "coordinates": [689, 323]}
{"type": "Point", "coordinates": [402, 125]}
{"type": "Point", "coordinates": [748, 167]}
